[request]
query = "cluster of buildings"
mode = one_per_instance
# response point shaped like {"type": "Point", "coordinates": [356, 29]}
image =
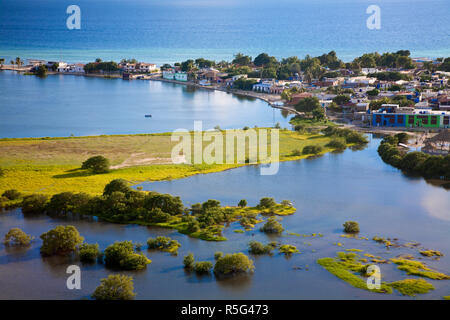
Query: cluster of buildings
{"type": "Point", "coordinates": [63, 67]}
{"type": "Point", "coordinates": [391, 115]}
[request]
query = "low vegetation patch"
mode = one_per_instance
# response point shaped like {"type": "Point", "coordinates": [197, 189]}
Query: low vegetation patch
{"type": "Point", "coordinates": [164, 244]}
{"type": "Point", "coordinates": [346, 268]}
{"type": "Point", "coordinates": [288, 249]}
{"type": "Point", "coordinates": [431, 253]}
{"type": "Point", "coordinates": [411, 287]}
{"type": "Point", "coordinates": [257, 248]}
{"type": "Point", "coordinates": [417, 268]}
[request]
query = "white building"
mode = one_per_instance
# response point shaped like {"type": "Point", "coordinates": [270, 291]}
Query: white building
{"type": "Point", "coordinates": [146, 67]}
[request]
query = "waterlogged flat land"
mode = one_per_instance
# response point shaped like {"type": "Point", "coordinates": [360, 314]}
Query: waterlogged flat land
{"type": "Point", "coordinates": [52, 165]}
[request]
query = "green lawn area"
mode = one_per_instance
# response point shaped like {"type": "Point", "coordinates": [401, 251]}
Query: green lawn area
{"type": "Point", "coordinates": [52, 165]}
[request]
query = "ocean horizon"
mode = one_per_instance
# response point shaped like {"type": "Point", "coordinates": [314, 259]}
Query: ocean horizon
{"type": "Point", "coordinates": [176, 30]}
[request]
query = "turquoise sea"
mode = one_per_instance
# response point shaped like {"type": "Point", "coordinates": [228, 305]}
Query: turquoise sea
{"type": "Point", "coordinates": [175, 30]}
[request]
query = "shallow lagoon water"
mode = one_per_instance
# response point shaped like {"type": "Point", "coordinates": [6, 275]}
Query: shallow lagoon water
{"type": "Point", "coordinates": [353, 185]}
{"type": "Point", "coordinates": [62, 105]}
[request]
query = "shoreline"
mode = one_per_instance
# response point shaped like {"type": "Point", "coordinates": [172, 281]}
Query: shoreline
{"type": "Point", "coordinates": [270, 99]}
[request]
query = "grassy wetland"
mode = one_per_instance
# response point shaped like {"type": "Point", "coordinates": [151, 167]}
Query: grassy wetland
{"type": "Point", "coordinates": [52, 165]}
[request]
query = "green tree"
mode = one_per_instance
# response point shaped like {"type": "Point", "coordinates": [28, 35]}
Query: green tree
{"type": "Point", "coordinates": [242, 203]}
{"type": "Point", "coordinates": [41, 71]}
{"type": "Point", "coordinates": [60, 240]}
{"type": "Point", "coordinates": [341, 99]}
{"type": "Point", "coordinates": [351, 227]}
{"type": "Point", "coordinates": [89, 252]}
{"type": "Point", "coordinates": [33, 204]}
{"type": "Point", "coordinates": [16, 236]}
{"type": "Point", "coordinates": [188, 261]}
{"type": "Point", "coordinates": [122, 255]}
{"type": "Point", "coordinates": [97, 164]}
{"type": "Point", "coordinates": [256, 247]}
{"type": "Point", "coordinates": [202, 267]}
{"type": "Point", "coordinates": [266, 202]}
{"type": "Point", "coordinates": [307, 105]}
{"type": "Point", "coordinates": [187, 65]}
{"type": "Point", "coordinates": [272, 226]}
{"type": "Point", "coordinates": [263, 59]}
{"type": "Point", "coordinates": [242, 59]}
{"type": "Point", "coordinates": [11, 194]}
{"type": "Point", "coordinates": [115, 287]}
{"type": "Point", "coordinates": [318, 114]}
{"type": "Point", "coordinates": [115, 185]}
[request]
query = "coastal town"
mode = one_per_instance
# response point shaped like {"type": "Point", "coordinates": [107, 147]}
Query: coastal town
{"type": "Point", "coordinates": [390, 90]}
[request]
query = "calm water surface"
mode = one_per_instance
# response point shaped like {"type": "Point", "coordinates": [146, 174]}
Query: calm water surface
{"type": "Point", "coordinates": [62, 105]}
{"type": "Point", "coordinates": [354, 185]}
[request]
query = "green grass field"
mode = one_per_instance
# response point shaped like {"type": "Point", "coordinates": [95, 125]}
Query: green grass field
{"type": "Point", "coordinates": [52, 165]}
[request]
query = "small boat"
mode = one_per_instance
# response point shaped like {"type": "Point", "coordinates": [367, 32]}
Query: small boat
{"type": "Point", "coordinates": [148, 115]}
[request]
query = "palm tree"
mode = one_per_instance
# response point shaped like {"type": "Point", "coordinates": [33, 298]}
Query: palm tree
{"type": "Point", "coordinates": [2, 61]}
{"type": "Point", "coordinates": [12, 62]}
{"type": "Point", "coordinates": [19, 62]}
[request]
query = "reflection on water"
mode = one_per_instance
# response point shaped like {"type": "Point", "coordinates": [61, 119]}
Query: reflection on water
{"type": "Point", "coordinates": [327, 191]}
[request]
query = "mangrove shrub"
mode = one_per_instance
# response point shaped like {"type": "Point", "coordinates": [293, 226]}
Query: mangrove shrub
{"type": "Point", "coordinates": [60, 240]}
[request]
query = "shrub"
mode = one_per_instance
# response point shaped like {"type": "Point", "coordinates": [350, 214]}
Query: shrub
{"type": "Point", "coordinates": [351, 227]}
{"type": "Point", "coordinates": [97, 164]}
{"type": "Point", "coordinates": [267, 203]}
{"type": "Point", "coordinates": [119, 185]}
{"type": "Point", "coordinates": [89, 252]}
{"type": "Point", "coordinates": [242, 203]}
{"type": "Point", "coordinates": [203, 267]}
{"type": "Point", "coordinates": [218, 255]}
{"type": "Point", "coordinates": [413, 161]}
{"type": "Point", "coordinates": [60, 240]}
{"type": "Point", "coordinates": [336, 144]}
{"type": "Point", "coordinates": [256, 247]}
{"type": "Point", "coordinates": [16, 236]}
{"type": "Point", "coordinates": [167, 203]}
{"type": "Point", "coordinates": [272, 226]}
{"type": "Point", "coordinates": [157, 215]}
{"type": "Point", "coordinates": [164, 244]}
{"type": "Point", "coordinates": [2, 172]}
{"type": "Point", "coordinates": [122, 255]}
{"type": "Point", "coordinates": [34, 204]}
{"type": "Point", "coordinates": [312, 149]}
{"type": "Point", "coordinates": [288, 249]}
{"type": "Point", "coordinates": [115, 287]}
{"type": "Point", "coordinates": [65, 202]}
{"type": "Point", "coordinates": [296, 153]}
{"type": "Point", "coordinates": [233, 263]}
{"type": "Point", "coordinates": [286, 203]}
{"type": "Point", "coordinates": [134, 261]}
{"type": "Point", "coordinates": [188, 261]}
{"type": "Point", "coordinates": [402, 137]}
{"type": "Point", "coordinates": [12, 194]}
